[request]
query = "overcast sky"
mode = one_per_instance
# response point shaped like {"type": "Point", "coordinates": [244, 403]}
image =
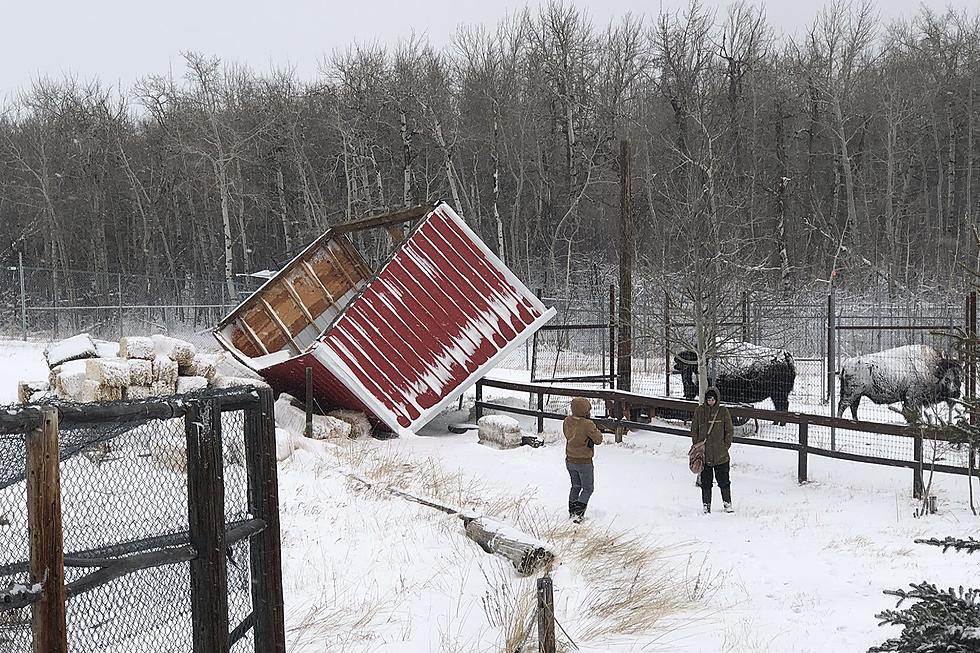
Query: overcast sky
{"type": "Point", "coordinates": [119, 41]}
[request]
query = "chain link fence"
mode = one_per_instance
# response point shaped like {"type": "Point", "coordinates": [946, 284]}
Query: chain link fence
{"type": "Point", "coordinates": [124, 498]}
{"type": "Point", "coordinates": [53, 303]}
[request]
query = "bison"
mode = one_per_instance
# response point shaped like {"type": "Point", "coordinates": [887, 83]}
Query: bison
{"type": "Point", "coordinates": [916, 375]}
{"type": "Point", "coordinates": [743, 373]}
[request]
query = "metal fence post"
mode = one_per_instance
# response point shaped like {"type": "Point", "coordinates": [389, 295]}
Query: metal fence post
{"type": "Point", "coordinates": [23, 297]}
{"type": "Point", "coordinates": [263, 502]}
{"type": "Point", "coordinates": [667, 343]}
{"type": "Point", "coordinates": [120, 297]}
{"type": "Point", "coordinates": [801, 473]}
{"type": "Point", "coordinates": [47, 564]}
{"type": "Point", "coordinates": [206, 521]}
{"type": "Point", "coordinates": [918, 487]}
{"type": "Point", "coordinates": [831, 362]}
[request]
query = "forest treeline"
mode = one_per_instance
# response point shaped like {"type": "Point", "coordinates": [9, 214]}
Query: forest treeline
{"type": "Point", "coordinates": [850, 145]}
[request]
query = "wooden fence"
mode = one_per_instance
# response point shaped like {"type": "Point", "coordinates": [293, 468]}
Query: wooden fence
{"type": "Point", "coordinates": [621, 406]}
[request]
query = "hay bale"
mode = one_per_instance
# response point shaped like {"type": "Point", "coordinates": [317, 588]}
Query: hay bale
{"type": "Point", "coordinates": [499, 431]}
{"type": "Point", "coordinates": [163, 388]}
{"type": "Point", "coordinates": [90, 392]}
{"type": "Point", "coordinates": [140, 371]}
{"type": "Point", "coordinates": [70, 379]}
{"type": "Point", "coordinates": [360, 427]}
{"type": "Point", "coordinates": [293, 419]}
{"type": "Point", "coordinates": [137, 347]}
{"type": "Point", "coordinates": [106, 349]}
{"type": "Point", "coordinates": [187, 384]}
{"type": "Point", "coordinates": [224, 382]}
{"type": "Point", "coordinates": [109, 372]}
{"type": "Point", "coordinates": [164, 370]}
{"type": "Point", "coordinates": [205, 365]}
{"type": "Point", "coordinates": [175, 349]}
{"type": "Point", "coordinates": [170, 454]}
{"type": "Point", "coordinates": [69, 349]}
{"type": "Point", "coordinates": [137, 392]}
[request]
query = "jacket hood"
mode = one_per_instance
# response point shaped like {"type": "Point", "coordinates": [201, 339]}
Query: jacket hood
{"type": "Point", "coordinates": [712, 391]}
{"type": "Point", "coordinates": [581, 407]}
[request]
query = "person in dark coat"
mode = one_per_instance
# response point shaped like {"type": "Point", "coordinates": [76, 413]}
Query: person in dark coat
{"type": "Point", "coordinates": [581, 436]}
{"type": "Point", "coordinates": [712, 424]}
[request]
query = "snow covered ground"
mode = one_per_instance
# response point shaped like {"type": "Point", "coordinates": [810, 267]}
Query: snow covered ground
{"type": "Point", "coordinates": [796, 569]}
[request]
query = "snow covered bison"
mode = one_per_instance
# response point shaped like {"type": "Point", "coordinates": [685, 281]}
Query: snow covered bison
{"type": "Point", "coordinates": [916, 375]}
{"type": "Point", "coordinates": [743, 373]}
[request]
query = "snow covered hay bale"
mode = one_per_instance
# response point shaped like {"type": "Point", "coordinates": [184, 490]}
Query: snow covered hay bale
{"type": "Point", "coordinates": [499, 431]}
{"type": "Point", "coordinates": [140, 371]}
{"type": "Point", "coordinates": [107, 349]}
{"type": "Point", "coordinates": [187, 384]}
{"type": "Point", "coordinates": [164, 370]}
{"type": "Point", "coordinates": [175, 349]}
{"type": "Point", "coordinates": [360, 427]}
{"type": "Point", "coordinates": [137, 392]}
{"type": "Point", "coordinates": [163, 388]}
{"type": "Point", "coordinates": [109, 372]}
{"type": "Point", "coordinates": [224, 382]}
{"type": "Point", "coordinates": [137, 347]}
{"type": "Point", "coordinates": [93, 391]}
{"type": "Point", "coordinates": [293, 419]}
{"type": "Point", "coordinates": [205, 365]}
{"type": "Point", "coordinates": [69, 349]}
{"type": "Point", "coordinates": [68, 379]}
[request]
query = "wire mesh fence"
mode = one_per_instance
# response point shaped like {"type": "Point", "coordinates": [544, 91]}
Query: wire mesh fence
{"type": "Point", "coordinates": [53, 303]}
{"type": "Point", "coordinates": [124, 491]}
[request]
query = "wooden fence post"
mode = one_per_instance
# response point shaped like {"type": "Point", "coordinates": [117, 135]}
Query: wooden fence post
{"type": "Point", "coordinates": [478, 408]}
{"type": "Point", "coordinates": [309, 402]}
{"type": "Point", "coordinates": [47, 564]}
{"type": "Point", "coordinates": [540, 412]}
{"type": "Point", "coordinates": [206, 520]}
{"type": "Point", "coordinates": [546, 615]}
{"type": "Point", "coordinates": [918, 486]}
{"type": "Point", "coordinates": [624, 345]}
{"type": "Point", "coordinates": [801, 473]}
{"type": "Point", "coordinates": [265, 550]}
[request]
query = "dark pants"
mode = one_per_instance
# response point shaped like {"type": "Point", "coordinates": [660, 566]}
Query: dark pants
{"type": "Point", "coordinates": [719, 472]}
{"type": "Point", "coordinates": [583, 481]}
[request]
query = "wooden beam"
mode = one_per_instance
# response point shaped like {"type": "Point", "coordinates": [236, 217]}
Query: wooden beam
{"type": "Point", "coordinates": [206, 522]}
{"type": "Point", "coordinates": [251, 334]}
{"type": "Point", "coordinates": [309, 270]}
{"type": "Point", "coordinates": [279, 323]}
{"type": "Point", "coordinates": [47, 564]}
{"type": "Point", "coordinates": [405, 215]}
{"type": "Point", "coordinates": [299, 302]}
{"type": "Point", "coordinates": [396, 233]}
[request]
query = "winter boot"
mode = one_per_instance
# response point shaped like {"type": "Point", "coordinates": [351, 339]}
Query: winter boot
{"type": "Point", "coordinates": [728, 507]}
{"type": "Point", "coordinates": [707, 508]}
{"type": "Point", "coordinates": [579, 512]}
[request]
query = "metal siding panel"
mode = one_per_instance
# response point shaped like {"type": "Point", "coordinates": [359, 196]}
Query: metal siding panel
{"type": "Point", "coordinates": [440, 310]}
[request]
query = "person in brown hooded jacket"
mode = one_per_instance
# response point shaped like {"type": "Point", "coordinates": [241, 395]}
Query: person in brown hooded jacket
{"type": "Point", "coordinates": [712, 424]}
{"type": "Point", "coordinates": [581, 436]}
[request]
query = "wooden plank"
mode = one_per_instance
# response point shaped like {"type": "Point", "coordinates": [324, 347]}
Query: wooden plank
{"type": "Point", "coordinates": [338, 265]}
{"type": "Point", "coordinates": [251, 334]}
{"type": "Point", "coordinates": [359, 264]}
{"type": "Point", "coordinates": [299, 302]}
{"type": "Point", "coordinates": [47, 563]}
{"type": "Point", "coordinates": [311, 272]}
{"type": "Point", "coordinates": [282, 327]}
{"type": "Point", "coordinates": [206, 521]}
{"type": "Point", "coordinates": [405, 215]}
{"type": "Point", "coordinates": [263, 503]}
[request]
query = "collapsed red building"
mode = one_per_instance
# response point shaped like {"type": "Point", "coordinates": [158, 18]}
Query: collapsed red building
{"type": "Point", "coordinates": [400, 342]}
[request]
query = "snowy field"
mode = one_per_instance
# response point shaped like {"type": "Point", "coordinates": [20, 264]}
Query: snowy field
{"type": "Point", "coordinates": [796, 569]}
